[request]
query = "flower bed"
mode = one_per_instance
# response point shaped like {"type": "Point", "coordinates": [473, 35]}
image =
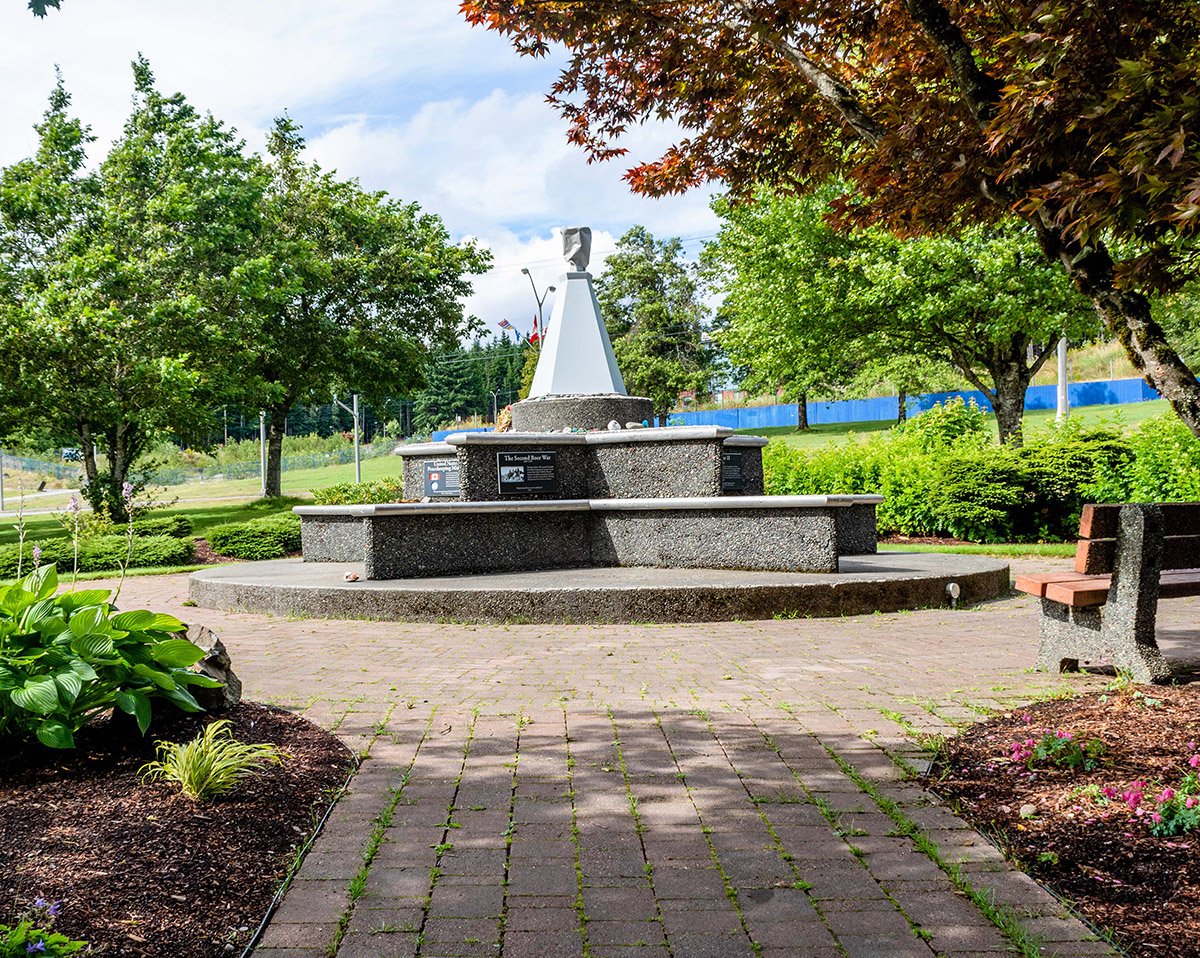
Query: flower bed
{"type": "Point", "coordinates": [1097, 797]}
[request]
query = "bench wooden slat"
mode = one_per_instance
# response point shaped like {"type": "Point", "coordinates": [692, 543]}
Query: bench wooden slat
{"type": "Point", "coordinates": [1095, 556]}
{"type": "Point", "coordinates": [1082, 592]}
{"type": "Point", "coordinates": [1035, 583]}
{"type": "Point", "coordinates": [1099, 521]}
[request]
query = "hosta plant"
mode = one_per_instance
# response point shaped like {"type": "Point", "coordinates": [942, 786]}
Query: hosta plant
{"type": "Point", "coordinates": [66, 657]}
{"type": "Point", "coordinates": [211, 764]}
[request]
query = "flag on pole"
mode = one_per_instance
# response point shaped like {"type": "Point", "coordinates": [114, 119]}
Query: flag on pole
{"type": "Point", "coordinates": [534, 336]}
{"type": "Point", "coordinates": [505, 324]}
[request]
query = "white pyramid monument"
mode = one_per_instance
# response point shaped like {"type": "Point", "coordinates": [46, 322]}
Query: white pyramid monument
{"type": "Point", "coordinates": [577, 356]}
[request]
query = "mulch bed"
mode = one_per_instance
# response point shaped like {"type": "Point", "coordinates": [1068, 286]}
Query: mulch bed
{"type": "Point", "coordinates": [923, 541]}
{"type": "Point", "coordinates": [140, 869]}
{"type": "Point", "coordinates": [1092, 850]}
{"type": "Point", "coordinates": [206, 554]}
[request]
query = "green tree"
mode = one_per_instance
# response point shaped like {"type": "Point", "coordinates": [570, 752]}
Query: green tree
{"type": "Point", "coordinates": [351, 290]}
{"type": "Point", "coordinates": [1080, 117]}
{"type": "Point", "coordinates": [802, 293]}
{"type": "Point", "coordinates": [116, 284]}
{"type": "Point", "coordinates": [651, 305]}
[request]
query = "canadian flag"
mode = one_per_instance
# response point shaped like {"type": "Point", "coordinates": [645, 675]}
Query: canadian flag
{"type": "Point", "coordinates": [535, 335]}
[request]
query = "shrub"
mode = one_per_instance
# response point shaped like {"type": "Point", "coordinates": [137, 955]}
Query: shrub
{"type": "Point", "coordinates": [102, 553]}
{"type": "Point", "coordinates": [211, 764]}
{"type": "Point", "coordinates": [65, 658]}
{"type": "Point", "coordinates": [361, 493]}
{"type": "Point", "coordinates": [34, 934]}
{"type": "Point", "coordinates": [268, 537]}
{"type": "Point", "coordinates": [175, 526]}
{"type": "Point", "coordinates": [1165, 466]}
{"type": "Point", "coordinates": [940, 474]}
{"type": "Point", "coordinates": [979, 496]}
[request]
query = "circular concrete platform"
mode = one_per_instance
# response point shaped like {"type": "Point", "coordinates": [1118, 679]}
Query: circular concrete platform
{"type": "Point", "coordinates": [867, 583]}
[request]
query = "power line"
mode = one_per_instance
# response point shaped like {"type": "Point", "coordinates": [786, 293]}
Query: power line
{"type": "Point", "coordinates": [596, 253]}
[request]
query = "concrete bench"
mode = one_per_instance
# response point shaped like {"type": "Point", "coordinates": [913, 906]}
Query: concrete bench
{"type": "Point", "coordinates": [775, 533]}
{"type": "Point", "coordinates": [1105, 610]}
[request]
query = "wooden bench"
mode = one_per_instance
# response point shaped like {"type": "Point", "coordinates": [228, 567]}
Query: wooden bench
{"type": "Point", "coordinates": [1128, 557]}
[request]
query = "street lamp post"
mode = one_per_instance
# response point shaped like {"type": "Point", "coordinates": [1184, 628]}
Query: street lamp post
{"type": "Point", "coordinates": [495, 407]}
{"type": "Point", "coordinates": [540, 299]}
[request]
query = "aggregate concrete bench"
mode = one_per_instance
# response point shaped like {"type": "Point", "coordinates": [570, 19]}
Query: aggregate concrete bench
{"type": "Point", "coordinates": [1105, 610]}
{"type": "Point", "coordinates": [770, 533]}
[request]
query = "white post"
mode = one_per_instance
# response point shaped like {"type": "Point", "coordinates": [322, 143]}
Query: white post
{"type": "Point", "coordinates": [357, 461]}
{"type": "Point", "coordinates": [1064, 400]}
{"type": "Point", "coordinates": [1, 480]}
{"type": "Point", "coordinates": [262, 451]}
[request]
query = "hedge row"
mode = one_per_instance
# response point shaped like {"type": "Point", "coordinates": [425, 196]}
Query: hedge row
{"type": "Point", "coordinates": [175, 526]}
{"type": "Point", "coordinates": [358, 493]}
{"type": "Point", "coordinates": [100, 554]}
{"type": "Point", "coordinates": [267, 538]}
{"type": "Point", "coordinates": [942, 475]}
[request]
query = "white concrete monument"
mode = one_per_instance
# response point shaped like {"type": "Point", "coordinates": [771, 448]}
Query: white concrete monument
{"type": "Point", "coordinates": [577, 384]}
{"type": "Point", "coordinates": [577, 355]}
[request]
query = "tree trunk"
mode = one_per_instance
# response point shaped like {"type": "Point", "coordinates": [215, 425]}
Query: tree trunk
{"type": "Point", "coordinates": [1126, 312]}
{"type": "Point", "coordinates": [123, 447]}
{"type": "Point", "coordinates": [1008, 402]}
{"type": "Point", "coordinates": [802, 413]}
{"type": "Point", "coordinates": [88, 448]}
{"type": "Point", "coordinates": [901, 407]}
{"type": "Point", "coordinates": [276, 424]}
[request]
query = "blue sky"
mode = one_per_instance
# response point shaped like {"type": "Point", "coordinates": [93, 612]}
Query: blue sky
{"type": "Point", "coordinates": [401, 94]}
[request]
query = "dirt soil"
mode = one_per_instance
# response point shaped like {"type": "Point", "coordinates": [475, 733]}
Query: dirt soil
{"type": "Point", "coordinates": [923, 541]}
{"type": "Point", "coordinates": [142, 870]}
{"type": "Point", "coordinates": [1092, 847]}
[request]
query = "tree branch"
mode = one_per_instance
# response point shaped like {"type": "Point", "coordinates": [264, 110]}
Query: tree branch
{"type": "Point", "coordinates": [980, 91]}
{"type": "Point", "coordinates": [829, 88]}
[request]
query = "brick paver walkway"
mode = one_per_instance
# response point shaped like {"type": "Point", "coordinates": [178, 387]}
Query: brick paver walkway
{"type": "Point", "coordinates": [639, 790]}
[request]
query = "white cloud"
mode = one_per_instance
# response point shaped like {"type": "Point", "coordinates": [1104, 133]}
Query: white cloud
{"type": "Point", "coordinates": [403, 95]}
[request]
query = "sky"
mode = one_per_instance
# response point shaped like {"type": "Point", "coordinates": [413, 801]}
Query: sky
{"type": "Point", "coordinates": [403, 95]}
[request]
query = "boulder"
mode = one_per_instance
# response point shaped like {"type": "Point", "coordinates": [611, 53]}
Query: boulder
{"type": "Point", "coordinates": [216, 664]}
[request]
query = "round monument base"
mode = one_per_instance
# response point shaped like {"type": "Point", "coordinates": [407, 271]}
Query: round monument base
{"type": "Point", "coordinates": [554, 413]}
{"type": "Point", "coordinates": [866, 583]}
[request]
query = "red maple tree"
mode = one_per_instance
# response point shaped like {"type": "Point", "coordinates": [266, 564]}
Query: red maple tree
{"type": "Point", "coordinates": [1080, 116]}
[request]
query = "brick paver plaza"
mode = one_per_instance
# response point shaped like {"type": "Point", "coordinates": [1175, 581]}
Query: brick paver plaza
{"type": "Point", "coordinates": [696, 790]}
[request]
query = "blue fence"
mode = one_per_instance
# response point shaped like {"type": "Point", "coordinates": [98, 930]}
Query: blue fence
{"type": "Point", "coordinates": [1103, 393]}
{"type": "Point", "coordinates": [440, 434]}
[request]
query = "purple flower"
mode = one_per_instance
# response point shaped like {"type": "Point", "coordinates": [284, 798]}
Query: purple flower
{"type": "Point", "coordinates": [127, 490]}
{"type": "Point", "coordinates": [55, 909]}
{"type": "Point", "coordinates": [37, 553]}
{"type": "Point", "coordinates": [41, 903]}
{"type": "Point", "coordinates": [35, 946]}
{"type": "Point", "coordinates": [73, 506]}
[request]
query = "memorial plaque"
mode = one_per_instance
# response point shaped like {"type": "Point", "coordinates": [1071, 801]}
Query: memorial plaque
{"type": "Point", "coordinates": [441, 479]}
{"type": "Point", "coordinates": [523, 472]}
{"type": "Point", "coordinates": [731, 472]}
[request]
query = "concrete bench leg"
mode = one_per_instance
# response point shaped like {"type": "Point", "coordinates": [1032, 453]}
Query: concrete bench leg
{"type": "Point", "coordinates": [1070, 636]}
{"type": "Point", "coordinates": [1120, 633]}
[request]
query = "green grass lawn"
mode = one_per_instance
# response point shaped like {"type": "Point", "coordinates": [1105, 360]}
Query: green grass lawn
{"type": "Point", "coordinates": [988, 549]}
{"type": "Point", "coordinates": [205, 514]}
{"type": "Point", "coordinates": [1127, 417]}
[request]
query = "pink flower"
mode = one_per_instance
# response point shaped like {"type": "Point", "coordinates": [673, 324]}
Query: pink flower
{"type": "Point", "coordinates": [37, 553]}
{"type": "Point", "coordinates": [1166, 795]}
{"type": "Point", "coordinates": [1194, 761]}
{"type": "Point", "coordinates": [1190, 801]}
{"type": "Point", "coordinates": [1157, 817]}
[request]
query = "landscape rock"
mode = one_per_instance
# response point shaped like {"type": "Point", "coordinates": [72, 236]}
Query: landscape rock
{"type": "Point", "coordinates": [216, 664]}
